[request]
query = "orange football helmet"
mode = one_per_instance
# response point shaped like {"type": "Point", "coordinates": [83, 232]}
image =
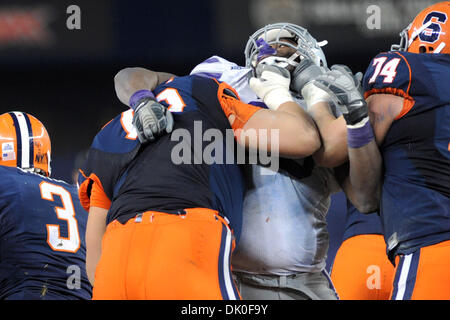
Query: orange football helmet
{"type": "Point", "coordinates": [429, 32]}
{"type": "Point", "coordinates": [25, 143]}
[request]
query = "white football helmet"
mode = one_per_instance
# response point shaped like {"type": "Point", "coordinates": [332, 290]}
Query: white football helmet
{"type": "Point", "coordinates": [276, 33]}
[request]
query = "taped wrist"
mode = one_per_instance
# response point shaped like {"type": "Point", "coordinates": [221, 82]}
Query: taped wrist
{"type": "Point", "coordinates": [138, 96]}
{"type": "Point", "coordinates": [275, 98]}
{"type": "Point", "coordinates": [359, 134]}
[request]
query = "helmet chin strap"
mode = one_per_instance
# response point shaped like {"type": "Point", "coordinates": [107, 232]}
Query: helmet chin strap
{"type": "Point", "coordinates": [281, 62]}
{"type": "Point", "coordinates": [291, 60]}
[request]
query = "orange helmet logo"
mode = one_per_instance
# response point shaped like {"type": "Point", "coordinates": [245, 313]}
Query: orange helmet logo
{"type": "Point", "coordinates": [25, 143]}
{"type": "Point", "coordinates": [429, 32]}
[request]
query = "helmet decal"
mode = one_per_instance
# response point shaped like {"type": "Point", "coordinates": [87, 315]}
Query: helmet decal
{"type": "Point", "coordinates": [24, 138]}
{"type": "Point", "coordinates": [435, 27]}
{"type": "Point", "coordinates": [429, 32]}
{"type": "Point", "coordinates": [25, 143]}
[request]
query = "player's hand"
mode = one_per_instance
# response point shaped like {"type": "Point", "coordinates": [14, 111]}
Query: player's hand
{"type": "Point", "coordinates": [357, 77]}
{"type": "Point", "coordinates": [304, 73]}
{"type": "Point", "coordinates": [272, 85]}
{"type": "Point", "coordinates": [302, 82]}
{"type": "Point", "coordinates": [345, 89]}
{"type": "Point", "coordinates": [151, 119]}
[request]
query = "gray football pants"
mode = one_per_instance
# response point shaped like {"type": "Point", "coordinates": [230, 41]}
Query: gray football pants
{"type": "Point", "coordinates": [300, 286]}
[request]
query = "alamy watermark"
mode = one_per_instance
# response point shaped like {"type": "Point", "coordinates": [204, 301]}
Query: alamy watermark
{"type": "Point", "coordinates": [212, 146]}
{"type": "Point", "coordinates": [73, 21]}
{"type": "Point", "coordinates": [374, 19]}
{"type": "Point", "coordinates": [374, 280]}
{"type": "Point", "coordinates": [74, 279]}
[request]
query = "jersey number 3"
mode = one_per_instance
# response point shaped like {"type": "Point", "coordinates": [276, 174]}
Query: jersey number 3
{"type": "Point", "coordinates": [71, 243]}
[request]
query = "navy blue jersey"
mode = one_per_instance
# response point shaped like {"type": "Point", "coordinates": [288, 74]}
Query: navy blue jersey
{"type": "Point", "coordinates": [415, 204]}
{"type": "Point", "coordinates": [42, 246]}
{"type": "Point", "coordinates": [357, 223]}
{"type": "Point", "coordinates": [194, 166]}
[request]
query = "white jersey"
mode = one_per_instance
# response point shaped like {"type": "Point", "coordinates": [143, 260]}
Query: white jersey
{"type": "Point", "coordinates": [229, 72]}
{"type": "Point", "coordinates": [284, 229]}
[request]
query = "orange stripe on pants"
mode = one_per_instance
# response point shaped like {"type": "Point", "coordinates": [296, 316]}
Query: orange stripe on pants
{"type": "Point", "coordinates": [165, 256]}
{"type": "Point", "coordinates": [361, 269]}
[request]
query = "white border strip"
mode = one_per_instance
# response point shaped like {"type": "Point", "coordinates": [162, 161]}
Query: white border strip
{"type": "Point", "coordinates": [226, 267]}
{"type": "Point", "coordinates": [25, 137]}
{"type": "Point", "coordinates": [401, 285]}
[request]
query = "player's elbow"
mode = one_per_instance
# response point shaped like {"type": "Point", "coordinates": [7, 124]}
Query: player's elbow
{"type": "Point", "coordinates": [123, 75]}
{"type": "Point", "coordinates": [307, 142]}
{"type": "Point", "coordinates": [330, 157]}
{"type": "Point", "coordinates": [296, 146]}
{"type": "Point", "coordinates": [129, 77]}
{"type": "Point", "coordinates": [123, 83]}
{"type": "Point", "coordinates": [295, 142]}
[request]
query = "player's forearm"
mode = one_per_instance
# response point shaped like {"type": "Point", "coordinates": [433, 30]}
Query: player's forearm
{"type": "Point", "coordinates": [95, 229]}
{"type": "Point", "coordinates": [333, 135]}
{"type": "Point", "coordinates": [288, 130]}
{"type": "Point", "coordinates": [130, 80]}
{"type": "Point", "coordinates": [365, 177]}
{"type": "Point", "coordinates": [364, 155]}
{"type": "Point", "coordinates": [365, 164]}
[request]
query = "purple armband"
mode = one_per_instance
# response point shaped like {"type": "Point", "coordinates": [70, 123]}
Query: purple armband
{"type": "Point", "coordinates": [360, 136]}
{"type": "Point", "coordinates": [138, 95]}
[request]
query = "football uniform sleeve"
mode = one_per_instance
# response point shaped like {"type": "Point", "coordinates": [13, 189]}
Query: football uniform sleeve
{"type": "Point", "coordinates": [98, 197]}
{"type": "Point", "coordinates": [91, 193]}
{"type": "Point", "coordinates": [390, 73]}
{"type": "Point", "coordinates": [225, 71]}
{"type": "Point", "coordinates": [213, 67]}
{"type": "Point", "coordinates": [231, 104]}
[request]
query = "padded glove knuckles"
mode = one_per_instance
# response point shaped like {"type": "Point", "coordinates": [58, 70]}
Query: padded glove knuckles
{"type": "Point", "coordinates": [151, 119]}
{"type": "Point", "coordinates": [345, 89]}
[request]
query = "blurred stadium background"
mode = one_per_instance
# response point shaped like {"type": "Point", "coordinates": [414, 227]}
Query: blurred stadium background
{"type": "Point", "coordinates": [65, 77]}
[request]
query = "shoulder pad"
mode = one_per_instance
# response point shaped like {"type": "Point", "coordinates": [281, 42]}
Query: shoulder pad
{"type": "Point", "coordinates": [388, 72]}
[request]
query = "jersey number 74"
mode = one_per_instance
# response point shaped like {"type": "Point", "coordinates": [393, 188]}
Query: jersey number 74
{"type": "Point", "coordinates": [386, 69]}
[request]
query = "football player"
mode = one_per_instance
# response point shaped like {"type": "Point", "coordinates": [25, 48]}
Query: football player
{"type": "Point", "coordinates": [42, 223]}
{"type": "Point", "coordinates": [159, 229]}
{"type": "Point", "coordinates": [284, 240]}
{"type": "Point", "coordinates": [361, 232]}
{"type": "Point", "coordinates": [405, 160]}
{"type": "Point", "coordinates": [304, 65]}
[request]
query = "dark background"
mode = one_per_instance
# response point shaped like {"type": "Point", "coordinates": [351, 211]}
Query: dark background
{"type": "Point", "coordinates": [65, 77]}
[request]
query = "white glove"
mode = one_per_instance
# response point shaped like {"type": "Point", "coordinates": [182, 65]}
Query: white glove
{"type": "Point", "coordinates": [272, 85]}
